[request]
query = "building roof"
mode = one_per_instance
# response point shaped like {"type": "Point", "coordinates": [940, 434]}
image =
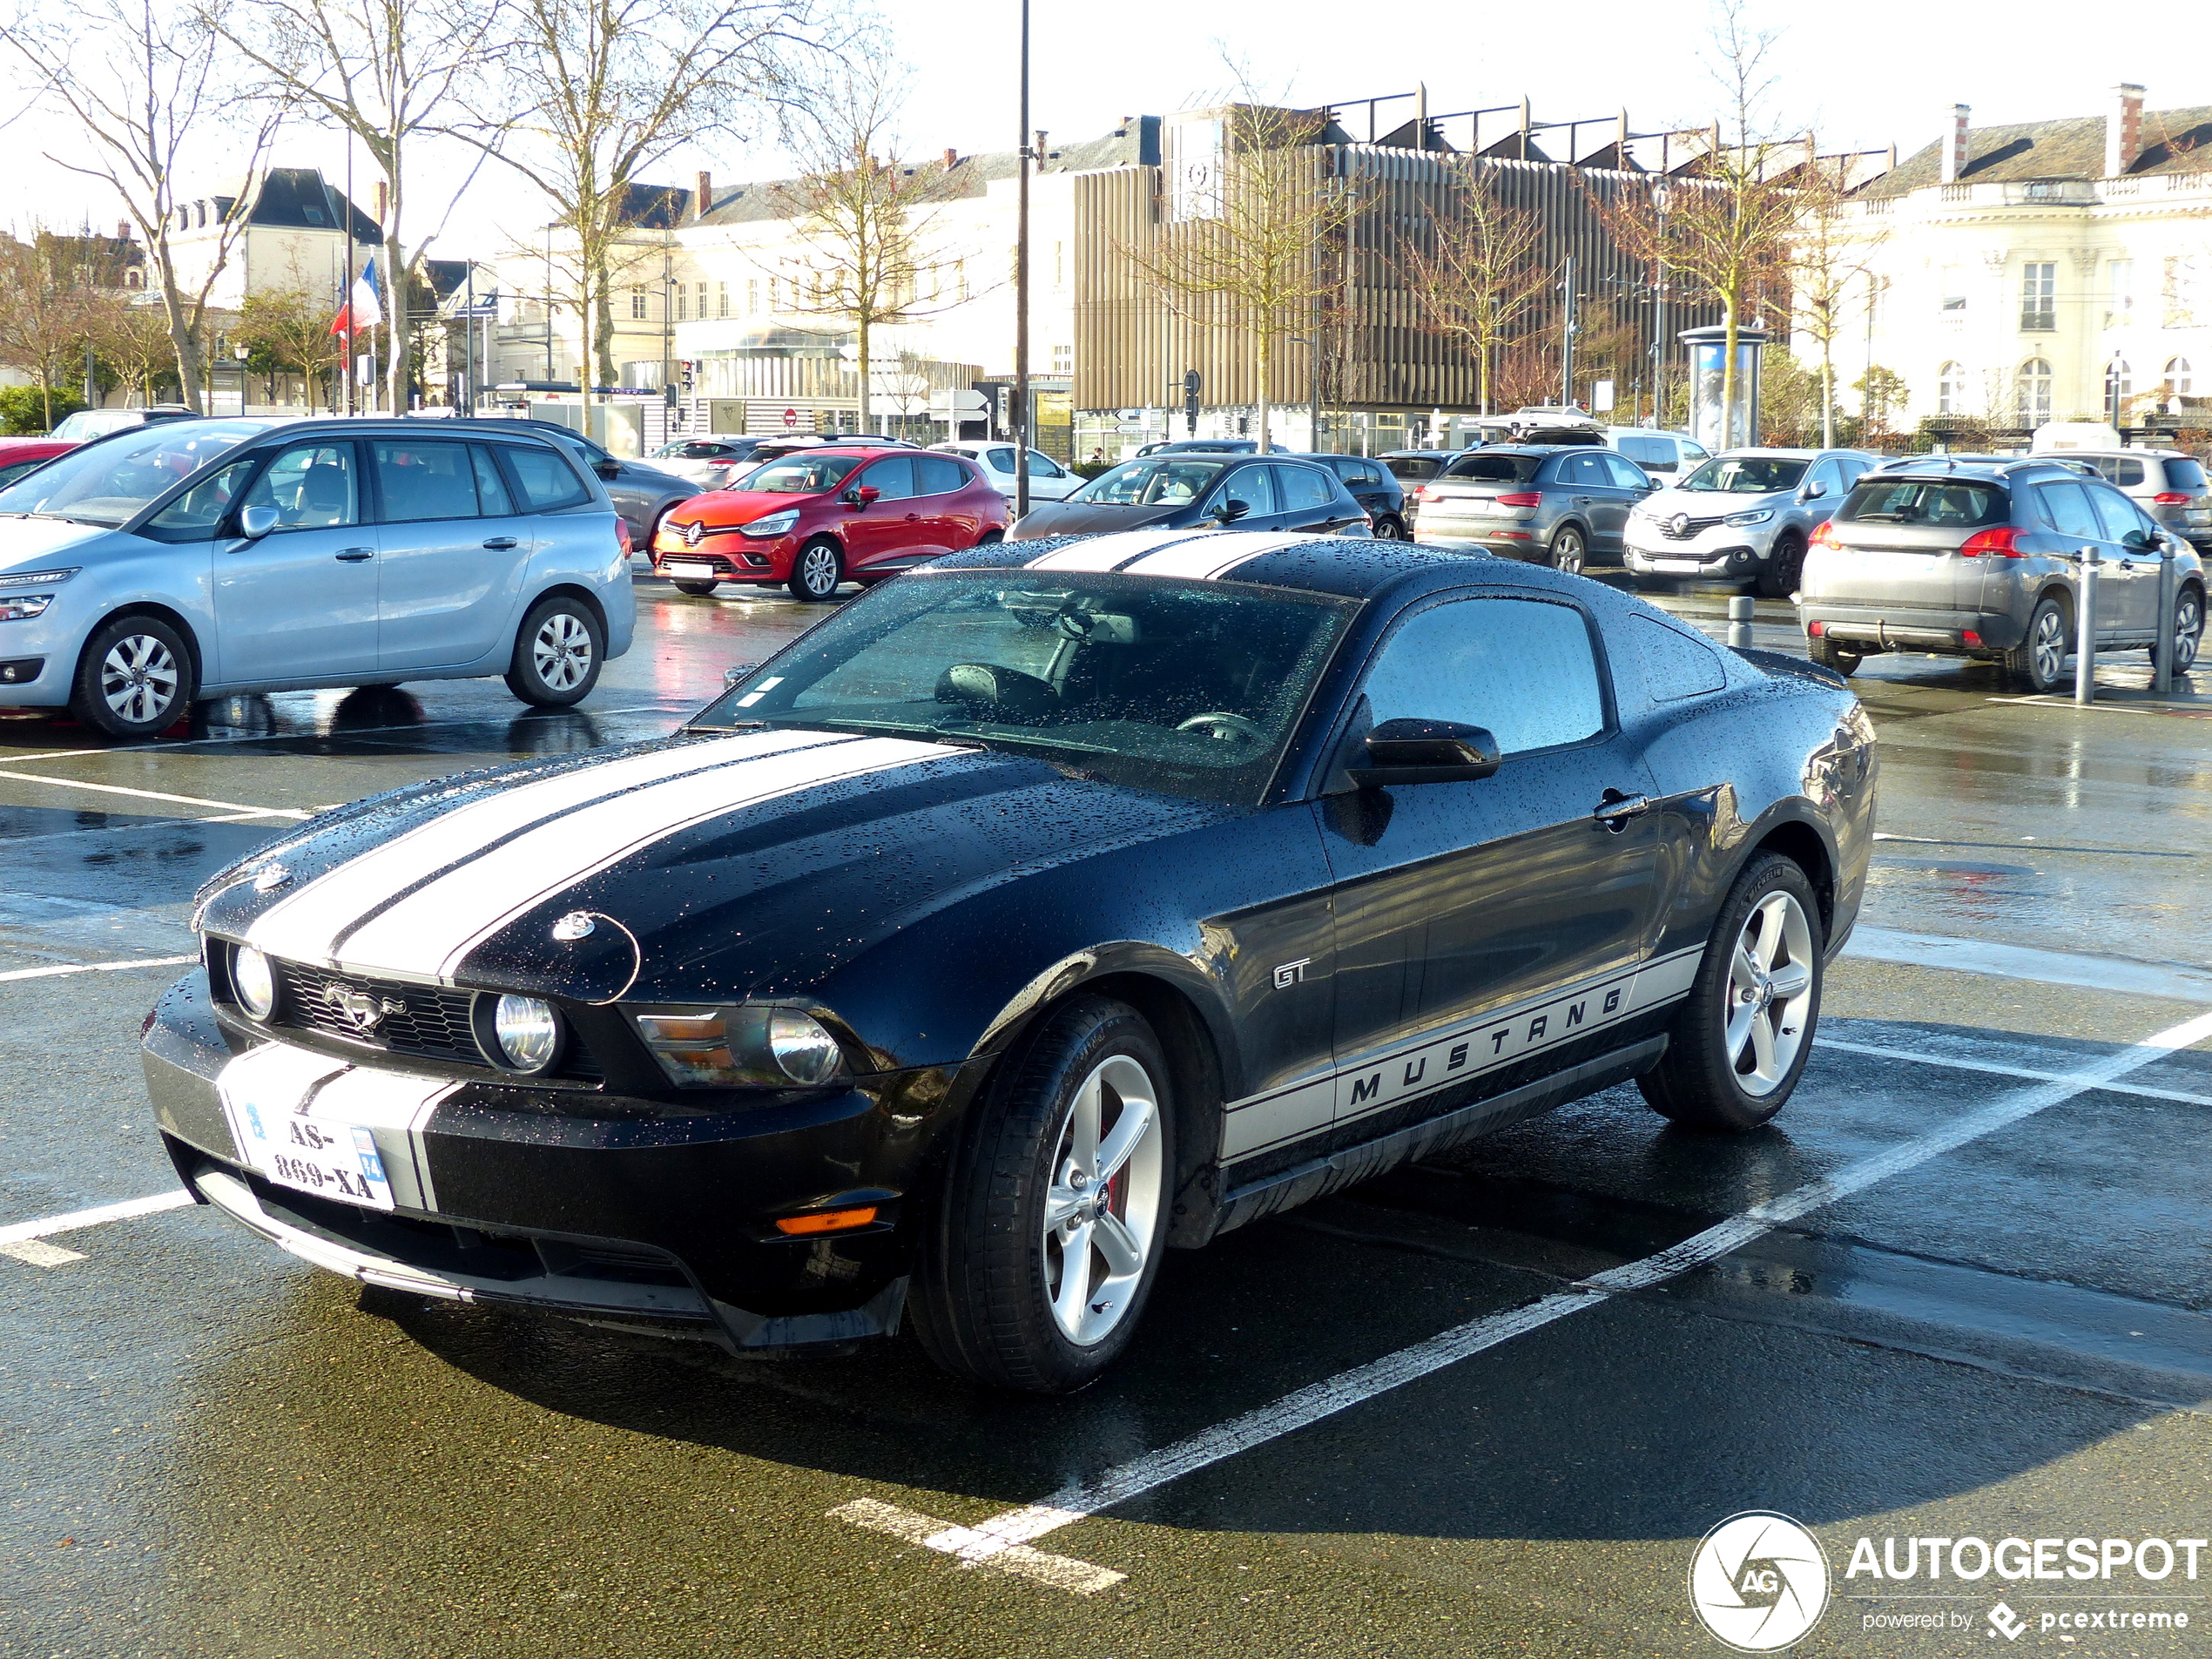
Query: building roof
{"type": "Point", "coordinates": [2175, 141]}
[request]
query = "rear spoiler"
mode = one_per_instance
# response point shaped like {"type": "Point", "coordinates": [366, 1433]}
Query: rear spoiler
{"type": "Point", "coordinates": [1775, 661]}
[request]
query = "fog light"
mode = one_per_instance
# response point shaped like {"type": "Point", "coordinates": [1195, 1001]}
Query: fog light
{"type": "Point", "coordinates": [528, 1032]}
{"type": "Point", "coordinates": [255, 980]}
{"type": "Point", "coordinates": [806, 1053]}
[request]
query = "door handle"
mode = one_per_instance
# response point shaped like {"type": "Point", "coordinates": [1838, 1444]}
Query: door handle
{"type": "Point", "coordinates": [1616, 809]}
{"type": "Point", "coordinates": [355, 554]}
{"type": "Point", "coordinates": [913, 518]}
{"type": "Point", "coordinates": [1581, 501]}
{"type": "Point", "coordinates": [501, 542]}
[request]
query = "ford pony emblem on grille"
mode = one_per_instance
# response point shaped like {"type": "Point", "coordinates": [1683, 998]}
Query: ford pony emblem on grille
{"type": "Point", "coordinates": [364, 1010]}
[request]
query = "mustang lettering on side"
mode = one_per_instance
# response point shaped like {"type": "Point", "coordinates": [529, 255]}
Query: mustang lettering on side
{"type": "Point", "coordinates": [1058, 903]}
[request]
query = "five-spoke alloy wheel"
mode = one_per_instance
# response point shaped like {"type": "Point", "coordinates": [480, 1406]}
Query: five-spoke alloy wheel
{"type": "Point", "coordinates": [135, 679]}
{"type": "Point", "coordinates": [1102, 1209]}
{"type": "Point", "coordinates": [558, 650]}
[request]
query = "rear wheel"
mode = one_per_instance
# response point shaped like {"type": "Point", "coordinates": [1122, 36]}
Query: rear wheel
{"type": "Point", "coordinates": [1389, 530]}
{"type": "Point", "coordinates": [1784, 566]}
{"type": "Point", "coordinates": [2188, 629]}
{"type": "Point", "coordinates": [1048, 1237]}
{"type": "Point", "coordinates": [2038, 663]}
{"type": "Point", "coordinates": [1569, 552]}
{"type": "Point", "coordinates": [698, 589]}
{"type": "Point", "coordinates": [135, 679]}
{"type": "Point", "coordinates": [1826, 652]}
{"type": "Point", "coordinates": [557, 653]}
{"type": "Point", "coordinates": [816, 572]}
{"type": "Point", "coordinates": [1740, 1042]}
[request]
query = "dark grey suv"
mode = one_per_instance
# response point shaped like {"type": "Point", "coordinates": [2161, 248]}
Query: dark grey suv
{"type": "Point", "coordinates": [1557, 504]}
{"type": "Point", "coordinates": [1975, 557]}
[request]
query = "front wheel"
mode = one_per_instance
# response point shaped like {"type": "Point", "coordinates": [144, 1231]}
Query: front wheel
{"type": "Point", "coordinates": [2188, 629]}
{"type": "Point", "coordinates": [1569, 552]}
{"type": "Point", "coordinates": [696, 590]}
{"type": "Point", "coordinates": [1740, 1042]}
{"type": "Point", "coordinates": [1785, 565]}
{"type": "Point", "coordinates": [135, 679]}
{"type": "Point", "coordinates": [557, 653]}
{"type": "Point", "coordinates": [1044, 1246]}
{"type": "Point", "coordinates": [1389, 530]}
{"type": "Point", "coordinates": [816, 572]}
{"type": "Point", "coordinates": [2038, 663]}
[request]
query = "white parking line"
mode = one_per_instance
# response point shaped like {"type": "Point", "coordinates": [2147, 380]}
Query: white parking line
{"type": "Point", "coordinates": [1062, 1572]}
{"type": "Point", "coordinates": [59, 969]}
{"type": "Point", "coordinates": [238, 807]}
{"type": "Point", "coordinates": [2021, 962]}
{"type": "Point", "coordinates": [1322, 1400]}
{"type": "Point", "coordinates": [21, 1239]}
{"type": "Point", "coordinates": [2020, 1074]}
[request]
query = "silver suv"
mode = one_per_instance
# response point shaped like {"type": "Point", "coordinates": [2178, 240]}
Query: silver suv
{"type": "Point", "coordinates": [203, 558]}
{"type": "Point", "coordinates": [1746, 515]}
{"type": "Point", "coordinates": [2166, 484]}
{"type": "Point", "coordinates": [1973, 557]}
{"type": "Point", "coordinates": [1561, 505]}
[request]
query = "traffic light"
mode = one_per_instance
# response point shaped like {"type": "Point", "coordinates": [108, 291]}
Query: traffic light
{"type": "Point", "coordinates": [1191, 385]}
{"type": "Point", "coordinates": [684, 367]}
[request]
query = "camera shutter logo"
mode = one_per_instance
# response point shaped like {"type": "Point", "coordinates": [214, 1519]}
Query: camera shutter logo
{"type": "Point", "coordinates": [1758, 1582]}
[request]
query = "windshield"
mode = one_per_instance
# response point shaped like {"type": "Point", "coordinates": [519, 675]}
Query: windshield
{"type": "Point", "coordinates": [1923, 501]}
{"type": "Point", "coordinates": [1747, 475]}
{"type": "Point", "coordinates": [799, 474]}
{"type": "Point", "coordinates": [1188, 688]}
{"type": "Point", "coordinates": [1164, 481]}
{"type": "Point", "coordinates": [696, 449]}
{"type": "Point", "coordinates": [110, 483]}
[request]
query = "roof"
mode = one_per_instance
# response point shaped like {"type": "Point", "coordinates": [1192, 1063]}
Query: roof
{"type": "Point", "coordinates": [1348, 567]}
{"type": "Point", "coordinates": [2175, 141]}
{"type": "Point", "coordinates": [299, 199]}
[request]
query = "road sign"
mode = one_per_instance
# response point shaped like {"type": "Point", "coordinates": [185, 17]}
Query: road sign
{"type": "Point", "coordinates": [791, 419]}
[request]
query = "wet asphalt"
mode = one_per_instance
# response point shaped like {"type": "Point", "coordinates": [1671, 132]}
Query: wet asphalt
{"type": "Point", "coordinates": [208, 1447]}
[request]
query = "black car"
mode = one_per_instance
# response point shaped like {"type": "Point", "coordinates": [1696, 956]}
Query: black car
{"type": "Point", "coordinates": [1376, 488]}
{"type": "Point", "coordinates": [1210, 447]}
{"type": "Point", "coordinates": [1052, 905]}
{"type": "Point", "coordinates": [1192, 491]}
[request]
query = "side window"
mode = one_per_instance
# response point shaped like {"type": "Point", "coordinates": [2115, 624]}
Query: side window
{"type": "Point", "coordinates": [1626, 473]}
{"type": "Point", "coordinates": [1852, 469]}
{"type": "Point", "coordinates": [1250, 485]}
{"type": "Point", "coordinates": [543, 479]}
{"type": "Point", "coordinates": [2066, 507]}
{"type": "Point", "coordinates": [1001, 460]}
{"type": "Point", "coordinates": [1644, 451]}
{"type": "Point", "coordinates": [2129, 472]}
{"type": "Point", "coordinates": [1303, 490]}
{"type": "Point", "coordinates": [1585, 471]}
{"type": "Point", "coordinates": [491, 489]}
{"type": "Point", "coordinates": [893, 478]}
{"type": "Point", "coordinates": [1521, 668]}
{"type": "Point", "coordinates": [2115, 512]}
{"type": "Point", "coordinates": [416, 480]}
{"type": "Point", "coordinates": [1044, 467]}
{"type": "Point", "coordinates": [312, 486]}
{"type": "Point", "coordinates": [939, 474]}
{"type": "Point", "coordinates": [1666, 457]}
{"type": "Point", "coordinates": [194, 514]}
{"type": "Point", "coordinates": [1675, 664]}
{"type": "Point", "coordinates": [1830, 474]}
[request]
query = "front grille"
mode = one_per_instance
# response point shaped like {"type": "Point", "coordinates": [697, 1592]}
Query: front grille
{"type": "Point", "coordinates": [1681, 530]}
{"type": "Point", "coordinates": [423, 1020]}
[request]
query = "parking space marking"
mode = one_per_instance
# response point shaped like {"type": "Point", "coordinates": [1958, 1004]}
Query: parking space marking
{"type": "Point", "coordinates": [1317, 1401]}
{"type": "Point", "coordinates": [38, 1254]}
{"type": "Point", "coordinates": [2023, 962]}
{"type": "Point", "coordinates": [685, 708]}
{"type": "Point", "coordinates": [1957, 1062]}
{"type": "Point", "coordinates": [61, 968]}
{"type": "Point", "coordinates": [1061, 1572]}
{"type": "Point", "coordinates": [18, 1233]}
{"type": "Point", "coordinates": [238, 807]}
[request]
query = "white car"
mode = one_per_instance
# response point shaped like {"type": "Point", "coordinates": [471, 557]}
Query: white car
{"type": "Point", "coordinates": [1048, 480]}
{"type": "Point", "coordinates": [708, 462]}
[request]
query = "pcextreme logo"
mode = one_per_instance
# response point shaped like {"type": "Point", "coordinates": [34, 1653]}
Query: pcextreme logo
{"type": "Point", "coordinates": [1758, 1582]}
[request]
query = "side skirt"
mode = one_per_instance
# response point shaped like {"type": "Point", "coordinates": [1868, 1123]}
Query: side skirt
{"type": "Point", "coordinates": [1283, 1191]}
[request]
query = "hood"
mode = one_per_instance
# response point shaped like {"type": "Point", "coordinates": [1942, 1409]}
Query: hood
{"type": "Point", "coordinates": [29, 544]}
{"type": "Point", "coordinates": [712, 866]}
{"type": "Point", "coordinates": [1710, 503]}
{"type": "Point", "coordinates": [731, 507]}
{"type": "Point", "coordinates": [1095, 518]}
{"type": "Point", "coordinates": [709, 473]}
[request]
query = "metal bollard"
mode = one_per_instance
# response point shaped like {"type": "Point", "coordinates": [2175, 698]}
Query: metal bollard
{"type": "Point", "coordinates": [2085, 661]}
{"type": "Point", "coordinates": [1740, 611]}
{"type": "Point", "coordinates": [2161, 672]}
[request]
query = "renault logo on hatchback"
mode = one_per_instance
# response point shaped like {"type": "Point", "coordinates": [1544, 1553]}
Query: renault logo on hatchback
{"type": "Point", "coordinates": [693, 530]}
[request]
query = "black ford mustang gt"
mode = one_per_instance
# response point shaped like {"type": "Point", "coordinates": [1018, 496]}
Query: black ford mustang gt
{"type": "Point", "coordinates": [1050, 906]}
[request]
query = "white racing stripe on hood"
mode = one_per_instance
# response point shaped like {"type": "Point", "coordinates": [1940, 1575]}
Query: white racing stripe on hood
{"type": "Point", "coordinates": [1215, 555]}
{"type": "Point", "coordinates": [1104, 552]}
{"type": "Point", "coordinates": [429, 932]}
{"type": "Point", "coordinates": [305, 926]}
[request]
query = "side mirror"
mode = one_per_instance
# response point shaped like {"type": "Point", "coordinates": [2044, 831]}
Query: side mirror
{"type": "Point", "coordinates": [735, 673]}
{"type": "Point", "coordinates": [254, 523]}
{"type": "Point", "coordinates": [1230, 511]}
{"type": "Point", "coordinates": [2141, 540]}
{"type": "Point", "coordinates": [608, 468]}
{"type": "Point", "coordinates": [861, 495]}
{"type": "Point", "coordinates": [1426, 751]}
{"type": "Point", "coordinates": [1816, 488]}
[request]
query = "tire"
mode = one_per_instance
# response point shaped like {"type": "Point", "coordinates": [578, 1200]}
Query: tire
{"type": "Point", "coordinates": [816, 569]}
{"type": "Point", "coordinates": [136, 678]}
{"type": "Point", "coordinates": [558, 652]}
{"type": "Point", "coordinates": [2038, 663]}
{"type": "Point", "coordinates": [1389, 530]}
{"type": "Point", "coordinates": [990, 538]}
{"type": "Point", "coordinates": [1826, 652]}
{"type": "Point", "coordinates": [1570, 552]}
{"type": "Point", "coordinates": [989, 1289]}
{"type": "Point", "coordinates": [696, 590]}
{"type": "Point", "coordinates": [1717, 1072]}
{"type": "Point", "coordinates": [2189, 628]}
{"type": "Point", "coordinates": [1785, 566]}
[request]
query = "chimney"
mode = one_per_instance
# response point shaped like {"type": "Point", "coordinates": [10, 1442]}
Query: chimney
{"type": "Point", "coordinates": [2123, 129]}
{"type": "Point", "coordinates": [122, 230]}
{"type": "Point", "coordinates": [706, 194]}
{"type": "Point", "coordinates": [1954, 146]}
{"type": "Point", "coordinates": [952, 159]}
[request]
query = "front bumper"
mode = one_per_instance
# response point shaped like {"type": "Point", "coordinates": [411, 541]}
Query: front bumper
{"type": "Point", "coordinates": [726, 557]}
{"type": "Point", "coordinates": [1889, 629]}
{"type": "Point", "coordinates": [587, 1204]}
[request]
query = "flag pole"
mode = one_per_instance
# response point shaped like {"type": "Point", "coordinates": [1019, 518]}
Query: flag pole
{"type": "Point", "coordinates": [346, 293]}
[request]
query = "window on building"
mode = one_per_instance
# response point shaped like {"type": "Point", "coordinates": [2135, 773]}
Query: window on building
{"type": "Point", "coordinates": [1059, 265]}
{"type": "Point", "coordinates": [1951, 389]}
{"type": "Point", "coordinates": [721, 298]}
{"type": "Point", "coordinates": [683, 309]}
{"type": "Point", "coordinates": [2119, 288]}
{"type": "Point", "coordinates": [2032, 393]}
{"type": "Point", "coordinates": [2120, 385]}
{"type": "Point", "coordinates": [752, 296]}
{"type": "Point", "coordinates": [1063, 359]}
{"type": "Point", "coordinates": [960, 278]}
{"type": "Point", "coordinates": [702, 302]}
{"type": "Point", "coordinates": [1954, 288]}
{"type": "Point", "coordinates": [637, 305]}
{"type": "Point", "coordinates": [2039, 296]}
{"type": "Point", "coordinates": [2177, 381]}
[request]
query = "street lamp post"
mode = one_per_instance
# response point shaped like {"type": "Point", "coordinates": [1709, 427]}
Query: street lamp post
{"type": "Point", "coordinates": [240, 353]}
{"type": "Point", "coordinates": [1021, 421]}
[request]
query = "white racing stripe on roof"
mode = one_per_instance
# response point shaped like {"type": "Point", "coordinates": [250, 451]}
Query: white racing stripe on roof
{"type": "Point", "coordinates": [1212, 557]}
{"type": "Point", "coordinates": [305, 924]}
{"type": "Point", "coordinates": [433, 928]}
{"type": "Point", "coordinates": [1104, 552]}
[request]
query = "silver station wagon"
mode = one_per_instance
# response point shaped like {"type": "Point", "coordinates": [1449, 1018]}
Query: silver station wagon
{"type": "Point", "coordinates": [203, 558]}
{"type": "Point", "coordinates": [1977, 556]}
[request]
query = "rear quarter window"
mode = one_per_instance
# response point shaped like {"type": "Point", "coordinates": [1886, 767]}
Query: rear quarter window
{"type": "Point", "coordinates": [543, 480]}
{"type": "Point", "coordinates": [1675, 663]}
{"type": "Point", "coordinates": [2185, 475]}
{"type": "Point", "coordinates": [1947, 501]}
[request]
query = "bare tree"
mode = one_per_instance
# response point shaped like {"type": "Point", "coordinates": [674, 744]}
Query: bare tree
{"type": "Point", "coordinates": [1248, 248]}
{"type": "Point", "coordinates": [45, 316]}
{"type": "Point", "coordinates": [132, 338]}
{"type": "Point", "coordinates": [143, 85]}
{"type": "Point", "coordinates": [865, 220]}
{"type": "Point", "coordinates": [386, 71]}
{"type": "Point", "coordinates": [1831, 251]}
{"type": "Point", "coordinates": [595, 93]}
{"type": "Point", "coordinates": [290, 329]}
{"type": "Point", "coordinates": [1473, 272]}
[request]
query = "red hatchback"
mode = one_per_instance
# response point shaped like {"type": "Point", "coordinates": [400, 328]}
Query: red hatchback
{"type": "Point", "coordinates": [19, 456]}
{"type": "Point", "coordinates": [813, 520]}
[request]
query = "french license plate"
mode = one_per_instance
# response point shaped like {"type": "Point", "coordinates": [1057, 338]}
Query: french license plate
{"type": "Point", "coordinates": [689, 572]}
{"type": "Point", "coordinates": [312, 1154]}
{"type": "Point", "coordinates": [1677, 567]}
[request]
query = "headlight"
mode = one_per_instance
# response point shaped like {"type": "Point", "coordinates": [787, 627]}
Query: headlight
{"type": "Point", "coordinates": [745, 1046]}
{"type": "Point", "coordinates": [1739, 520]}
{"type": "Point", "coordinates": [38, 578]}
{"type": "Point", "coordinates": [527, 1033]}
{"type": "Point", "coordinates": [775, 525]}
{"type": "Point", "coordinates": [255, 980]}
{"type": "Point", "coordinates": [24, 607]}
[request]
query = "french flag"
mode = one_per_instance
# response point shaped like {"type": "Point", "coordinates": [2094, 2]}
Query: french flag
{"type": "Point", "coordinates": [364, 308]}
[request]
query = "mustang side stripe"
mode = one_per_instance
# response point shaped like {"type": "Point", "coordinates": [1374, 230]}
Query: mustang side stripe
{"type": "Point", "coordinates": [1108, 552]}
{"type": "Point", "coordinates": [1210, 558]}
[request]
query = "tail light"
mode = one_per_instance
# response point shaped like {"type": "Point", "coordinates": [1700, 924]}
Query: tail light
{"type": "Point", "coordinates": [1825, 535]}
{"type": "Point", "coordinates": [1522, 498]}
{"type": "Point", "coordinates": [2172, 498]}
{"type": "Point", "coordinates": [2001, 542]}
{"type": "Point", "coordinates": [1816, 629]}
{"type": "Point", "coordinates": [1426, 493]}
{"type": "Point", "coordinates": [622, 534]}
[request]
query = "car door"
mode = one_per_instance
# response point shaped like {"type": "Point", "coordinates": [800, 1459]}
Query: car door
{"type": "Point", "coordinates": [1048, 480]}
{"type": "Point", "coordinates": [2074, 514]}
{"type": "Point", "coordinates": [301, 603]}
{"type": "Point", "coordinates": [1822, 488]}
{"type": "Point", "coordinates": [998, 466]}
{"type": "Point", "coordinates": [2127, 593]}
{"type": "Point", "coordinates": [1502, 912]}
{"type": "Point", "coordinates": [1308, 498]}
{"type": "Point", "coordinates": [1254, 489]}
{"type": "Point", "coordinates": [452, 548]}
{"type": "Point", "coordinates": [1598, 496]}
{"type": "Point", "coordinates": [890, 524]}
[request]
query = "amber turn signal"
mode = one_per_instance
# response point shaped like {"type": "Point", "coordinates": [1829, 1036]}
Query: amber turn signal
{"type": "Point", "coordinates": [827, 1221]}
